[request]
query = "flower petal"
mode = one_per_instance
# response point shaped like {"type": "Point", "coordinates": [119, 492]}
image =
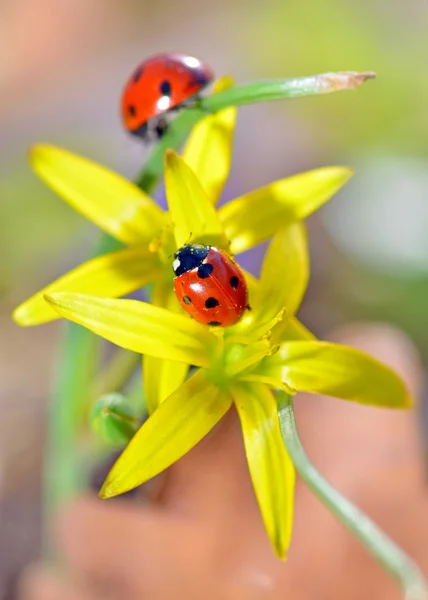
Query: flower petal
{"type": "Point", "coordinates": [162, 377]}
{"type": "Point", "coordinates": [110, 275]}
{"type": "Point", "coordinates": [271, 469]}
{"type": "Point", "coordinates": [194, 217]}
{"type": "Point", "coordinates": [179, 423]}
{"type": "Point", "coordinates": [339, 371]}
{"type": "Point", "coordinates": [284, 275]}
{"type": "Point", "coordinates": [104, 197]}
{"type": "Point", "coordinates": [239, 358]}
{"type": "Point", "coordinates": [290, 330]}
{"type": "Point", "coordinates": [139, 327]}
{"type": "Point", "coordinates": [256, 216]}
{"type": "Point", "coordinates": [208, 150]}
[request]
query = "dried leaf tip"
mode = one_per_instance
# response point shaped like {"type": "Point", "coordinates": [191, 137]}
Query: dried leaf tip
{"type": "Point", "coordinates": [345, 80]}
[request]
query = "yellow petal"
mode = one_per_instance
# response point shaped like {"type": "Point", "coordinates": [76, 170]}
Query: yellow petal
{"type": "Point", "coordinates": [248, 316]}
{"type": "Point", "coordinates": [170, 432]}
{"type": "Point", "coordinates": [289, 330]}
{"type": "Point", "coordinates": [208, 150]}
{"type": "Point", "coordinates": [284, 275]}
{"type": "Point", "coordinates": [104, 197]}
{"type": "Point", "coordinates": [194, 217]}
{"type": "Point", "coordinates": [139, 327]}
{"type": "Point", "coordinates": [339, 371]}
{"type": "Point", "coordinates": [271, 469]}
{"type": "Point", "coordinates": [111, 275]}
{"type": "Point", "coordinates": [256, 216]}
{"type": "Point", "coordinates": [162, 377]}
{"type": "Point", "coordinates": [239, 358]}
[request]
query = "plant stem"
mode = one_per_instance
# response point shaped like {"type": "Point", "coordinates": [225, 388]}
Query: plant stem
{"type": "Point", "coordinates": [76, 365]}
{"type": "Point", "coordinates": [116, 374]}
{"type": "Point", "coordinates": [386, 552]}
{"type": "Point", "coordinates": [63, 476]}
{"type": "Point", "coordinates": [251, 93]}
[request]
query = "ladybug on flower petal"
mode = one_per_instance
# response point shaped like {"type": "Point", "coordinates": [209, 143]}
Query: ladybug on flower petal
{"type": "Point", "coordinates": [160, 84]}
{"type": "Point", "coordinates": [209, 285]}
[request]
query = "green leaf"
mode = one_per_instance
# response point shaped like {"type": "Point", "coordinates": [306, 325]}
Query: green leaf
{"type": "Point", "coordinates": [176, 426]}
{"type": "Point", "coordinates": [251, 93]}
{"type": "Point", "coordinates": [279, 89]}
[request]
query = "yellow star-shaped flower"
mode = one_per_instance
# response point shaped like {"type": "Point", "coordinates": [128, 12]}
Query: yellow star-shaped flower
{"type": "Point", "coordinates": [244, 364]}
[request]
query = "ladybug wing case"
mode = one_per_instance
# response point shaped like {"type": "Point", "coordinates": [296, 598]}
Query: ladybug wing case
{"type": "Point", "coordinates": [215, 293]}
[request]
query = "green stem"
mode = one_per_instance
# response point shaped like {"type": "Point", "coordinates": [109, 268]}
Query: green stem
{"type": "Point", "coordinates": [77, 362]}
{"type": "Point", "coordinates": [251, 93]}
{"type": "Point", "coordinates": [63, 476]}
{"type": "Point", "coordinates": [116, 374]}
{"type": "Point", "coordinates": [389, 555]}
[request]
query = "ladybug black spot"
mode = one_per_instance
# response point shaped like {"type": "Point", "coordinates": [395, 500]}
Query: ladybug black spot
{"type": "Point", "coordinates": [187, 300]}
{"type": "Point", "coordinates": [234, 282]}
{"type": "Point", "coordinates": [214, 323]}
{"type": "Point", "coordinates": [205, 270]}
{"type": "Point", "coordinates": [137, 74]}
{"type": "Point", "coordinates": [165, 88]}
{"type": "Point", "coordinates": [211, 302]}
{"type": "Point", "coordinates": [132, 111]}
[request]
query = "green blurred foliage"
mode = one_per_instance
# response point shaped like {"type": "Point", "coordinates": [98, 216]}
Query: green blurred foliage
{"type": "Point", "coordinates": [384, 118]}
{"type": "Point", "coordinates": [35, 226]}
{"type": "Point", "coordinates": [302, 38]}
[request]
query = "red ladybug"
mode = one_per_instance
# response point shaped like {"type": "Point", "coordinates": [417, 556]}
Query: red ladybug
{"type": "Point", "coordinates": [158, 85]}
{"type": "Point", "coordinates": [209, 285]}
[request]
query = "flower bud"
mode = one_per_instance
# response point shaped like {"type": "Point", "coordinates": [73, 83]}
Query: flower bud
{"type": "Point", "coordinates": [113, 419]}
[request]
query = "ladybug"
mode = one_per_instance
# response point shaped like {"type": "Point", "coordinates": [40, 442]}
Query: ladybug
{"type": "Point", "coordinates": [158, 85]}
{"type": "Point", "coordinates": [209, 285]}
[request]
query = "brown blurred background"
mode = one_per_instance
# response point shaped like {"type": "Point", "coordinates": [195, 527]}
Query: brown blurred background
{"type": "Point", "coordinates": [62, 66]}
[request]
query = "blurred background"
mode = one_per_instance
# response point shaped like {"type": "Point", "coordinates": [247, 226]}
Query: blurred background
{"type": "Point", "coordinates": [62, 68]}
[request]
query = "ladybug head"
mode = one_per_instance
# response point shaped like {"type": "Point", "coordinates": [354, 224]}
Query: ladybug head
{"type": "Point", "coordinates": [189, 257]}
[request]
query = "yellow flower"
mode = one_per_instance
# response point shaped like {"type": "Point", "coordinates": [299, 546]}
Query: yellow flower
{"type": "Point", "coordinates": [241, 365]}
{"type": "Point", "coordinates": [124, 211]}
{"type": "Point", "coordinates": [268, 349]}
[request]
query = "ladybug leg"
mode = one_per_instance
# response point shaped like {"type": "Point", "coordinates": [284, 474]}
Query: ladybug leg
{"type": "Point", "coordinates": [177, 107]}
{"type": "Point", "coordinates": [193, 102]}
{"type": "Point", "coordinates": [159, 128]}
{"type": "Point", "coordinates": [197, 103]}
